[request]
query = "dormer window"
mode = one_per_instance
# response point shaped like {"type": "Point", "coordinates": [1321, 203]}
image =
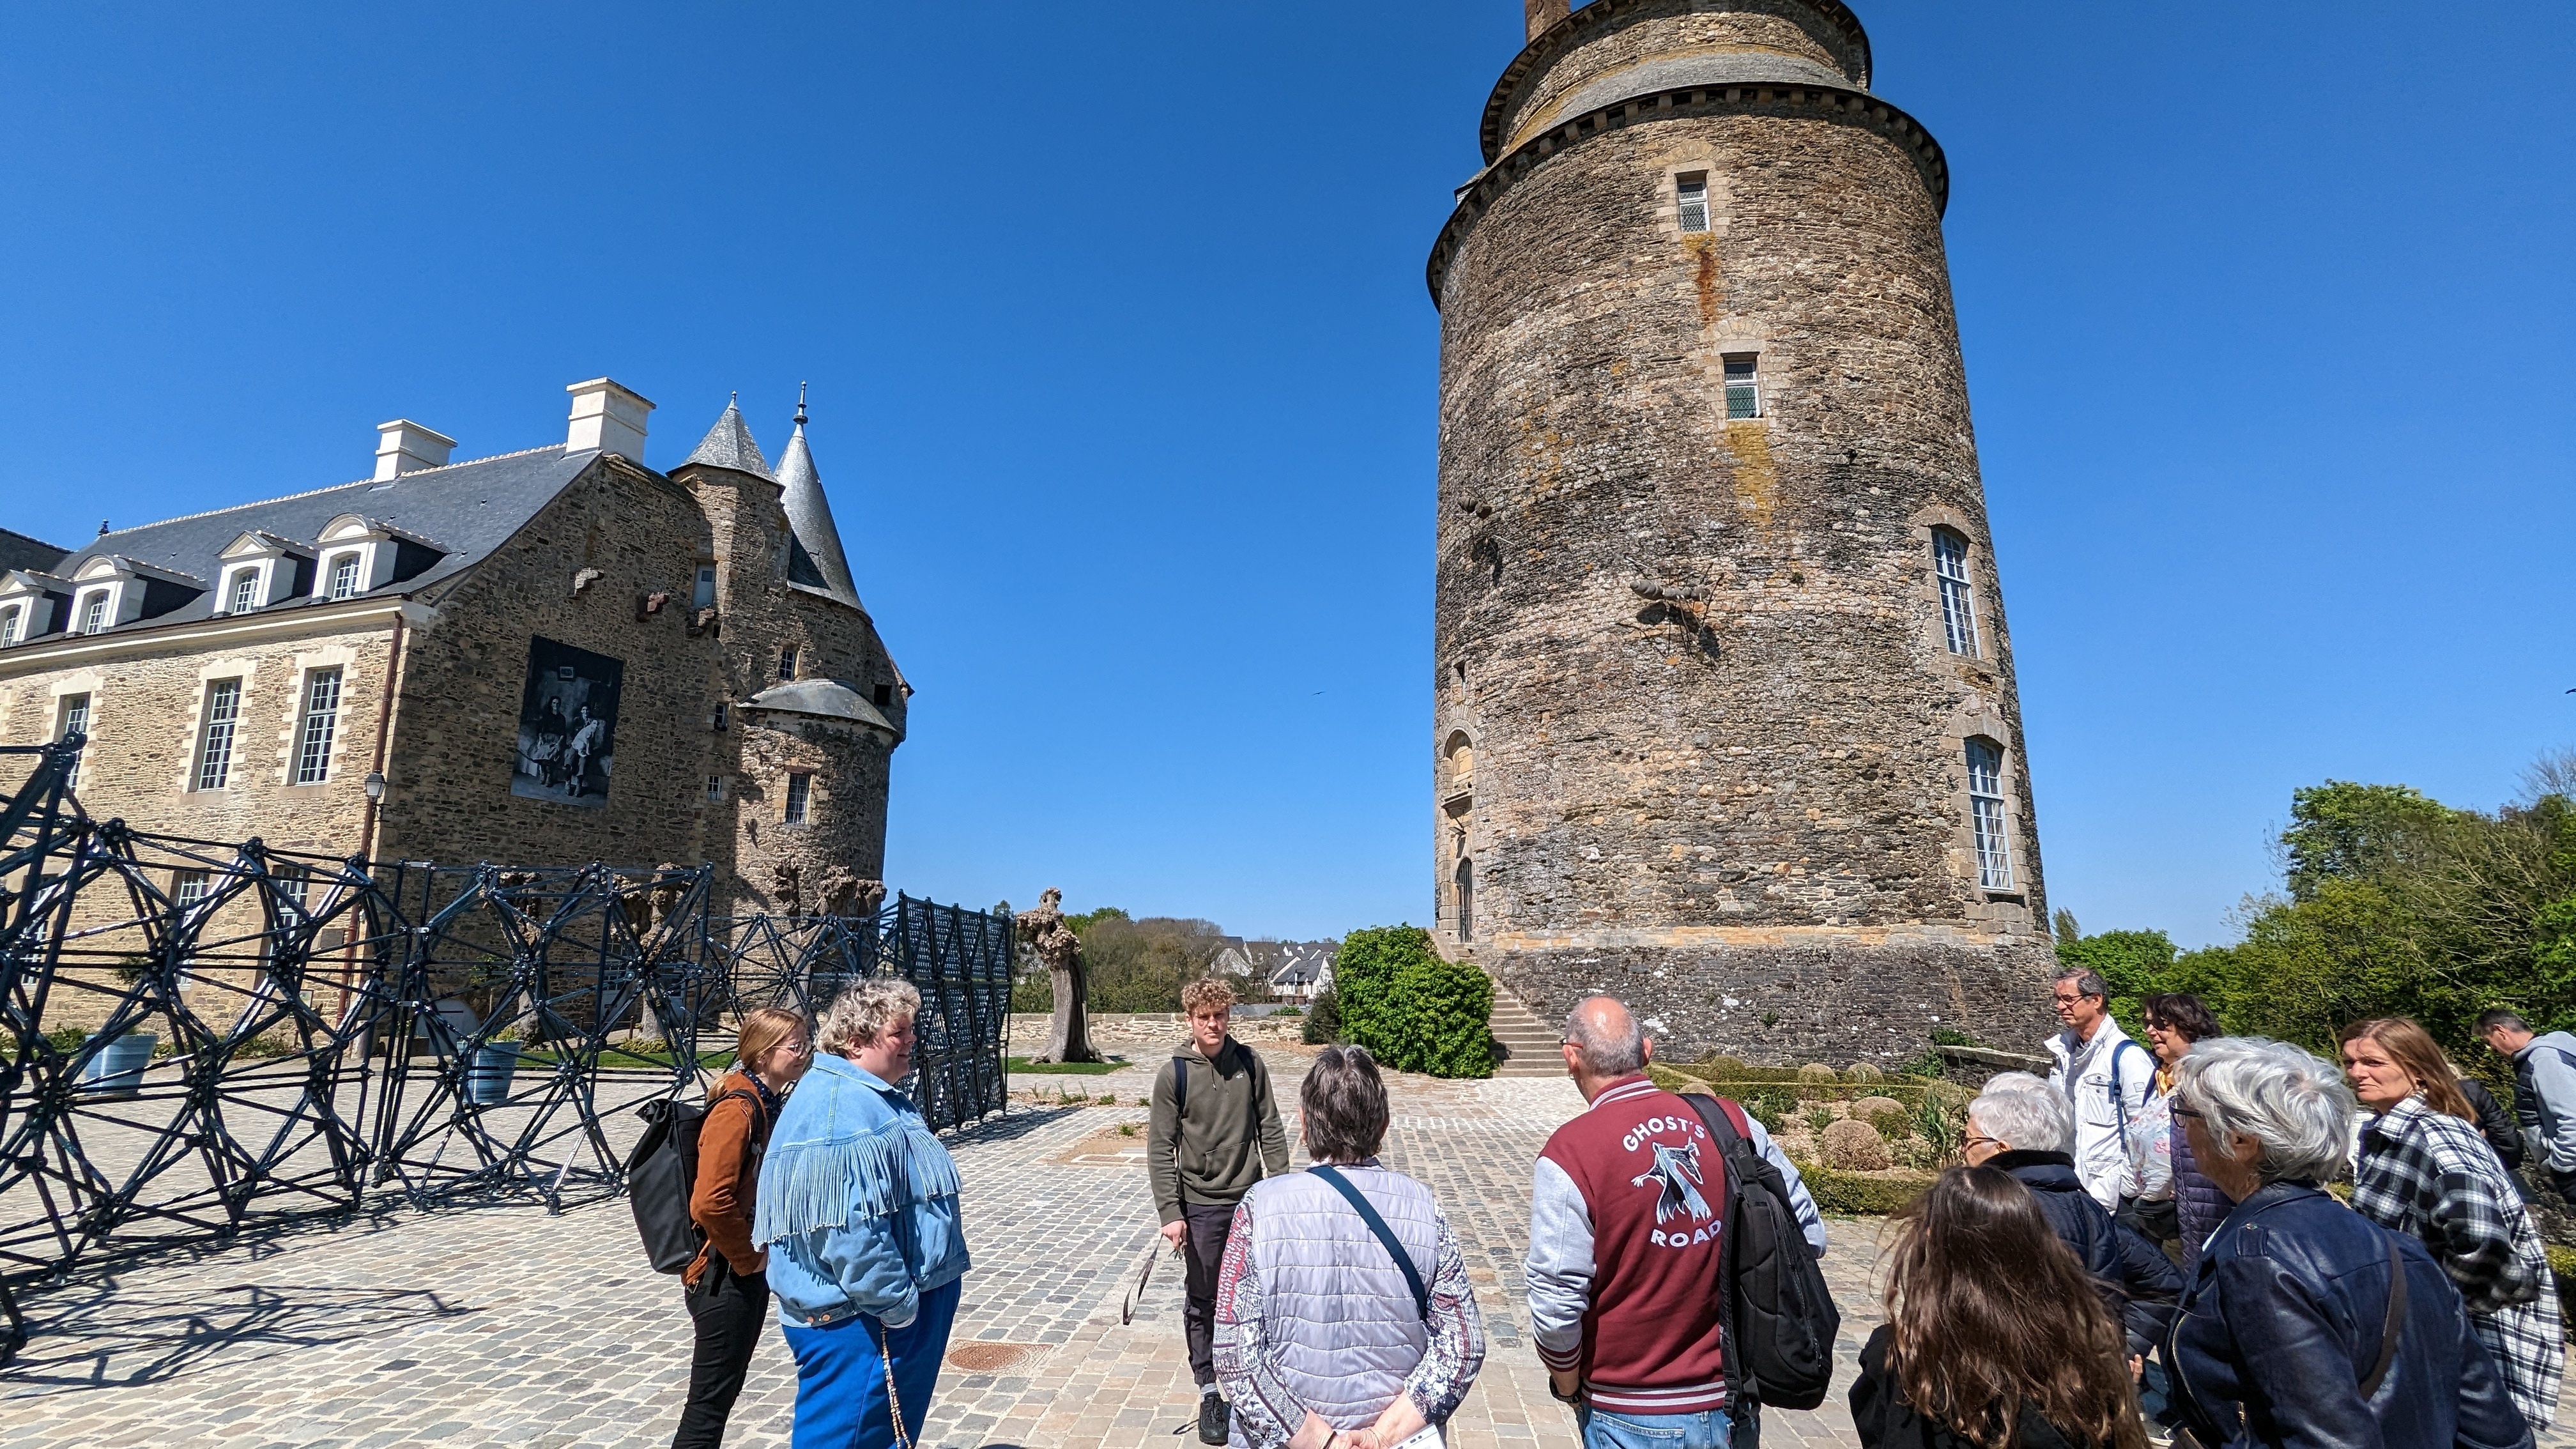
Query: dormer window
{"type": "Point", "coordinates": [94, 606]}
{"type": "Point", "coordinates": [361, 555]}
{"type": "Point", "coordinates": [242, 594]}
{"type": "Point", "coordinates": [113, 589]}
{"type": "Point", "coordinates": [28, 600]}
{"type": "Point", "coordinates": [12, 621]}
{"type": "Point", "coordinates": [263, 568]}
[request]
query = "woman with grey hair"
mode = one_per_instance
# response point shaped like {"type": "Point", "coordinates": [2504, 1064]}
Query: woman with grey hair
{"type": "Point", "coordinates": [1344, 1319]}
{"type": "Point", "coordinates": [858, 1210]}
{"type": "Point", "coordinates": [2307, 1323]}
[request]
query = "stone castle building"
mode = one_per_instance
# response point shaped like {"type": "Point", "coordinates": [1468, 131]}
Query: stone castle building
{"type": "Point", "coordinates": [1725, 712]}
{"type": "Point", "coordinates": [546, 657]}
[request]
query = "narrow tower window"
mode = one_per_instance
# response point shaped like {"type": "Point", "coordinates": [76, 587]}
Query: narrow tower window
{"type": "Point", "coordinates": [787, 662]}
{"type": "Point", "coordinates": [215, 750]}
{"type": "Point", "coordinates": [1986, 808]}
{"type": "Point", "coordinates": [1466, 882]}
{"type": "Point", "coordinates": [1958, 602]}
{"type": "Point", "coordinates": [800, 794]}
{"type": "Point", "coordinates": [75, 721]}
{"type": "Point", "coordinates": [245, 592]}
{"type": "Point", "coordinates": [1743, 386]}
{"type": "Point", "coordinates": [344, 576]}
{"type": "Point", "coordinates": [1692, 192]}
{"type": "Point", "coordinates": [321, 720]}
{"type": "Point", "coordinates": [706, 593]}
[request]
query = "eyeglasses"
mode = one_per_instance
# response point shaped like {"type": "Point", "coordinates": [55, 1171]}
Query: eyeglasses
{"type": "Point", "coordinates": [1977, 1141]}
{"type": "Point", "coordinates": [2180, 1110]}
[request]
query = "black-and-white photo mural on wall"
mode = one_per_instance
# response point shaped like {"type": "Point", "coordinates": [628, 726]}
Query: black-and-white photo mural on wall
{"type": "Point", "coordinates": [567, 724]}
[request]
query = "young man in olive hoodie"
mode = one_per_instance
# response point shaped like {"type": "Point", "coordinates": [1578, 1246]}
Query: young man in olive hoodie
{"type": "Point", "coordinates": [1204, 1151]}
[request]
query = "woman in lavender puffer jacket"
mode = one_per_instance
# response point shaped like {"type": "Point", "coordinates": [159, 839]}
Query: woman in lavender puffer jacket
{"type": "Point", "coordinates": [2174, 1021]}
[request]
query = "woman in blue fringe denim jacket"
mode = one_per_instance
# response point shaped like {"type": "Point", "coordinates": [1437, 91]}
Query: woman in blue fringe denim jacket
{"type": "Point", "coordinates": [858, 1210]}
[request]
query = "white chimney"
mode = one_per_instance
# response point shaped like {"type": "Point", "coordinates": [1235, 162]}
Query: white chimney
{"type": "Point", "coordinates": [608, 417]}
{"type": "Point", "coordinates": [403, 446]}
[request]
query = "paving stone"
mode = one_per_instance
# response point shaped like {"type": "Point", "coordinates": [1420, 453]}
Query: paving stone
{"type": "Point", "coordinates": [508, 1326]}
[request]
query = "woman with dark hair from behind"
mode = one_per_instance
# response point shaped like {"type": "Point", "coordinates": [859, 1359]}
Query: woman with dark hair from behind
{"type": "Point", "coordinates": [728, 1284]}
{"type": "Point", "coordinates": [1994, 1336]}
{"type": "Point", "coordinates": [2424, 1170]}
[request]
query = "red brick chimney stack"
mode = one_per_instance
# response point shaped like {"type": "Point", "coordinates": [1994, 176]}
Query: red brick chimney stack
{"type": "Point", "coordinates": [1543, 13]}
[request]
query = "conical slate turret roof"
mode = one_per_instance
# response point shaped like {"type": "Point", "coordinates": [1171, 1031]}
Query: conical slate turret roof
{"type": "Point", "coordinates": [810, 515]}
{"type": "Point", "coordinates": [729, 444]}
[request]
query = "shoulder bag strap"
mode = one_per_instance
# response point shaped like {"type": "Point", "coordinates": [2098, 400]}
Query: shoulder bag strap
{"type": "Point", "coordinates": [2395, 1326]}
{"type": "Point", "coordinates": [1385, 1235]}
{"type": "Point", "coordinates": [2120, 1103]}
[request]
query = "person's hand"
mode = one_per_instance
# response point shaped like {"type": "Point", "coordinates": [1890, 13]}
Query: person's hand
{"type": "Point", "coordinates": [1176, 1232]}
{"type": "Point", "coordinates": [1358, 1439]}
{"type": "Point", "coordinates": [763, 1265]}
{"type": "Point", "coordinates": [1315, 1433]}
{"type": "Point", "coordinates": [1565, 1384]}
{"type": "Point", "coordinates": [2137, 1366]}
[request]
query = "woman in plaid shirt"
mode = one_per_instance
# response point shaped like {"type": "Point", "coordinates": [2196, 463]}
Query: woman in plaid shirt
{"type": "Point", "coordinates": [2424, 1169]}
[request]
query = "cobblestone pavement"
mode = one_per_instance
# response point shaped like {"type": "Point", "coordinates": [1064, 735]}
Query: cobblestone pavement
{"type": "Point", "coordinates": [504, 1326]}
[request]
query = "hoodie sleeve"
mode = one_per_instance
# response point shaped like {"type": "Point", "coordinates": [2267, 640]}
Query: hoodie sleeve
{"type": "Point", "coordinates": [2553, 1082]}
{"type": "Point", "coordinates": [1162, 1149]}
{"type": "Point", "coordinates": [1560, 1265]}
{"type": "Point", "coordinates": [1274, 1136]}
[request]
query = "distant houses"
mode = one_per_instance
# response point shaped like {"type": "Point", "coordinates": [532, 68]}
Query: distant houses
{"type": "Point", "coordinates": [1282, 970]}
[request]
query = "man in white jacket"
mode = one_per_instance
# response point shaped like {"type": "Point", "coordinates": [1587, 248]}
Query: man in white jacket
{"type": "Point", "coordinates": [2104, 1076]}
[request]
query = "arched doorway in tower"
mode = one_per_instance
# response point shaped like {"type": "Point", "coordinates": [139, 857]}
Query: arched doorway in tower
{"type": "Point", "coordinates": [1466, 901]}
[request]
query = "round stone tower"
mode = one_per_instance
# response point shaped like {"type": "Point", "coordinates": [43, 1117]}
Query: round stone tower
{"type": "Point", "coordinates": [1725, 722]}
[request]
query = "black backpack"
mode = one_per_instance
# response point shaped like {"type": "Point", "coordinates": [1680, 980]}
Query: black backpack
{"type": "Point", "coordinates": [1779, 1318]}
{"type": "Point", "coordinates": [662, 1171]}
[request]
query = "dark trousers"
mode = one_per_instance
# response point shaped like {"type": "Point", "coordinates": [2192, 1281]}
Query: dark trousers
{"type": "Point", "coordinates": [1202, 1253]}
{"type": "Point", "coordinates": [730, 1310]}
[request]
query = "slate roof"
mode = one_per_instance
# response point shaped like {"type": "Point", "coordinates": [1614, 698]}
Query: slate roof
{"type": "Point", "coordinates": [729, 444]}
{"type": "Point", "coordinates": [823, 699]}
{"type": "Point", "coordinates": [809, 513]}
{"type": "Point", "coordinates": [18, 551]}
{"type": "Point", "coordinates": [469, 508]}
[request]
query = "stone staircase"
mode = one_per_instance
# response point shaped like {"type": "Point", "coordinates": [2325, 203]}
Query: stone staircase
{"type": "Point", "coordinates": [1524, 1044]}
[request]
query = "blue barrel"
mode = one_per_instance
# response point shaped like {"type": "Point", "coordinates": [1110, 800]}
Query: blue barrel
{"type": "Point", "coordinates": [116, 1070]}
{"type": "Point", "coordinates": [487, 1080]}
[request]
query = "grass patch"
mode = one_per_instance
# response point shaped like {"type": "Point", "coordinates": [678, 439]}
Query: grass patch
{"type": "Point", "coordinates": [1018, 1065]}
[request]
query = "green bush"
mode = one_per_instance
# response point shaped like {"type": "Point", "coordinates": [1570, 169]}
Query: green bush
{"type": "Point", "coordinates": [1323, 1020]}
{"type": "Point", "coordinates": [1863, 1072]}
{"type": "Point", "coordinates": [1817, 1074]}
{"type": "Point", "coordinates": [1861, 1194]}
{"type": "Point", "coordinates": [1412, 1010]}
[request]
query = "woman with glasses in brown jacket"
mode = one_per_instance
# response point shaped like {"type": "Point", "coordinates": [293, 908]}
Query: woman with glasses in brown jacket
{"type": "Point", "coordinates": [728, 1285]}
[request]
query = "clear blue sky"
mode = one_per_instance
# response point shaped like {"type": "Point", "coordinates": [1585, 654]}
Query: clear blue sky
{"type": "Point", "coordinates": [1124, 372]}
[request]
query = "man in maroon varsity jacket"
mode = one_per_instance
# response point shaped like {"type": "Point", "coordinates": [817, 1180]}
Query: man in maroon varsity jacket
{"type": "Point", "coordinates": [1626, 1226]}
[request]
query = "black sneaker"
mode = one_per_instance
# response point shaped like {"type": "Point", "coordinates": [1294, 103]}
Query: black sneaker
{"type": "Point", "coordinates": [1213, 1413]}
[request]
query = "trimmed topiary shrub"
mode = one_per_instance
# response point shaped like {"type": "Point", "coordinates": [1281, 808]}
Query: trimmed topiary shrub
{"type": "Point", "coordinates": [1863, 1072]}
{"type": "Point", "coordinates": [1412, 1010]}
{"type": "Point", "coordinates": [1852, 1194]}
{"type": "Point", "coordinates": [1854, 1146]}
{"type": "Point", "coordinates": [1816, 1072]}
{"type": "Point", "coordinates": [1720, 1068]}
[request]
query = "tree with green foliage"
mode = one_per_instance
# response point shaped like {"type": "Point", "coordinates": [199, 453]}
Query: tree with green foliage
{"type": "Point", "coordinates": [1413, 1011]}
{"type": "Point", "coordinates": [2394, 905]}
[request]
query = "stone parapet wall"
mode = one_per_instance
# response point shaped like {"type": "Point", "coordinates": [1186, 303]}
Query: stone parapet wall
{"type": "Point", "coordinates": [1788, 1005]}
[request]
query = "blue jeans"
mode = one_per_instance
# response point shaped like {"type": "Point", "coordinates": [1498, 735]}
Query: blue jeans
{"type": "Point", "coordinates": [841, 1381]}
{"type": "Point", "coordinates": [1602, 1429]}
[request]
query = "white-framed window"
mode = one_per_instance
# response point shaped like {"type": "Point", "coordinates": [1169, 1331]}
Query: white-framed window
{"type": "Point", "coordinates": [706, 591]}
{"type": "Point", "coordinates": [11, 620]}
{"type": "Point", "coordinates": [72, 718]}
{"type": "Point", "coordinates": [1690, 193]}
{"type": "Point", "coordinates": [1958, 599]}
{"type": "Point", "coordinates": [294, 886]}
{"type": "Point", "coordinates": [343, 578]}
{"type": "Point", "coordinates": [715, 788]}
{"type": "Point", "coordinates": [1986, 814]}
{"type": "Point", "coordinates": [243, 594]}
{"type": "Point", "coordinates": [188, 888]}
{"type": "Point", "coordinates": [93, 611]}
{"type": "Point", "coordinates": [321, 720]}
{"type": "Point", "coordinates": [787, 662]}
{"type": "Point", "coordinates": [215, 739]}
{"type": "Point", "coordinates": [1743, 385]}
{"type": "Point", "coordinates": [800, 796]}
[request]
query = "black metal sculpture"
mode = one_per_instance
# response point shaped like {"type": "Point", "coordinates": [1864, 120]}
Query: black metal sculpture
{"type": "Point", "coordinates": [201, 1036]}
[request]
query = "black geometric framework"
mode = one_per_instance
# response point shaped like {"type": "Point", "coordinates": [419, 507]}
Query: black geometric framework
{"type": "Point", "coordinates": [327, 1031]}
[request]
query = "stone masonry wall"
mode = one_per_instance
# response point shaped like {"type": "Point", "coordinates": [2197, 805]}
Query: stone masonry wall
{"type": "Point", "coordinates": [1675, 28]}
{"type": "Point", "coordinates": [457, 721]}
{"type": "Point", "coordinates": [1698, 663]}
